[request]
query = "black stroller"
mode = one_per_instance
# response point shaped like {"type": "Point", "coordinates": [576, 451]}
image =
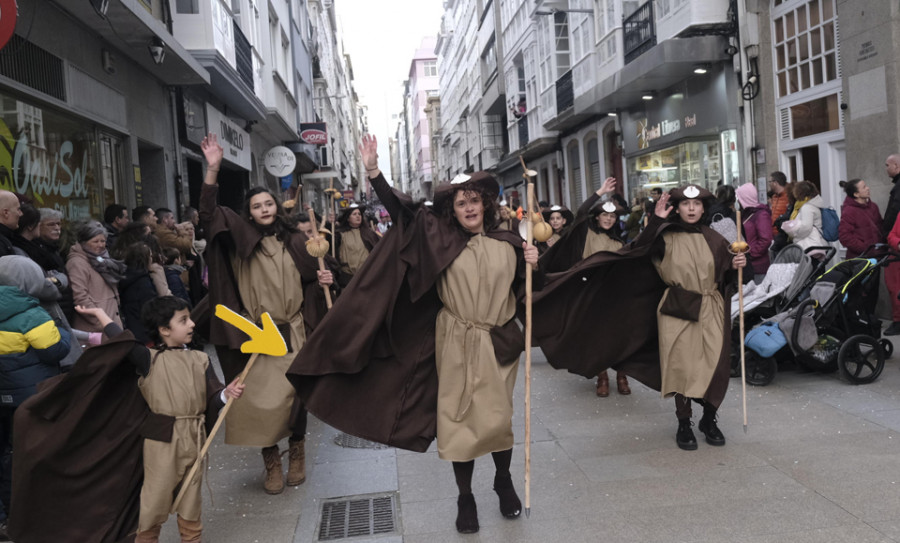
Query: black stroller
{"type": "Point", "coordinates": [836, 314]}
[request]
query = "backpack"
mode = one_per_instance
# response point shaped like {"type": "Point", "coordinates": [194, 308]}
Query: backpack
{"type": "Point", "coordinates": [830, 224]}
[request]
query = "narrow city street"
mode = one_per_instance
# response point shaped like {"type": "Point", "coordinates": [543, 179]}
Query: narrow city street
{"type": "Point", "coordinates": [818, 464]}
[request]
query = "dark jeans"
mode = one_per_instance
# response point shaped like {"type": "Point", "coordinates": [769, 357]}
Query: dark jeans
{"type": "Point", "coordinates": [6, 443]}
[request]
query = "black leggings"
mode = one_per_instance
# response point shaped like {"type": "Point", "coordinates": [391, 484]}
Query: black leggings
{"type": "Point", "coordinates": [464, 470]}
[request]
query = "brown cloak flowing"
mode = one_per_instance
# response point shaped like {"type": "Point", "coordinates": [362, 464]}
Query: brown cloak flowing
{"type": "Point", "coordinates": [628, 288]}
{"type": "Point", "coordinates": [77, 460]}
{"type": "Point", "coordinates": [369, 368]}
{"type": "Point", "coordinates": [567, 251]}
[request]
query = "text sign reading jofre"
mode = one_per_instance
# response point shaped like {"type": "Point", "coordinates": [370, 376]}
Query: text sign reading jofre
{"type": "Point", "coordinates": [314, 133]}
{"type": "Point", "coordinates": [233, 139]}
{"type": "Point", "coordinates": [280, 161]}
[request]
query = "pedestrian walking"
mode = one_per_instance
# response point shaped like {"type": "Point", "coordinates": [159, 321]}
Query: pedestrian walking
{"type": "Point", "coordinates": [428, 340]}
{"type": "Point", "coordinates": [757, 230]}
{"type": "Point", "coordinates": [258, 263]}
{"type": "Point", "coordinates": [805, 224]}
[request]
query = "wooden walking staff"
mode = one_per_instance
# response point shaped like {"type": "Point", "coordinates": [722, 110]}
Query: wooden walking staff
{"type": "Point", "coordinates": [331, 192]}
{"type": "Point", "coordinates": [317, 247]}
{"type": "Point", "coordinates": [741, 247]}
{"type": "Point", "coordinates": [529, 223]}
{"type": "Point", "coordinates": [265, 341]}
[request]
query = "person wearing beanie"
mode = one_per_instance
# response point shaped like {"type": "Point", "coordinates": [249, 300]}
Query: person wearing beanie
{"type": "Point", "coordinates": [756, 222]}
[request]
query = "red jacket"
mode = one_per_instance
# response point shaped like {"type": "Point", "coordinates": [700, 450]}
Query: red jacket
{"type": "Point", "coordinates": [860, 226]}
{"type": "Point", "coordinates": [758, 234]}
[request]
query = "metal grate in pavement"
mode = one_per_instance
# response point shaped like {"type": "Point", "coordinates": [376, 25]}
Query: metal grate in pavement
{"type": "Point", "coordinates": [366, 515]}
{"type": "Point", "coordinates": [353, 442]}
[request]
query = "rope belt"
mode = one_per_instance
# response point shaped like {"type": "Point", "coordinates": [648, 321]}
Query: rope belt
{"type": "Point", "coordinates": [471, 342]}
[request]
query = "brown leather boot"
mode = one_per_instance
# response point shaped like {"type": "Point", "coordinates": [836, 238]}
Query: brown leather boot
{"type": "Point", "coordinates": [190, 530]}
{"type": "Point", "coordinates": [296, 462]}
{"type": "Point", "coordinates": [149, 536]}
{"type": "Point", "coordinates": [274, 483]}
{"type": "Point", "coordinates": [622, 384]}
{"type": "Point", "coordinates": [603, 385]}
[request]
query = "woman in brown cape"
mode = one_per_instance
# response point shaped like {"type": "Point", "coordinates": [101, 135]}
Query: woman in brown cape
{"type": "Point", "coordinates": [258, 263]}
{"type": "Point", "coordinates": [594, 229]}
{"type": "Point", "coordinates": [508, 220]}
{"type": "Point", "coordinates": [353, 241]}
{"type": "Point", "coordinates": [673, 322]}
{"type": "Point", "coordinates": [436, 348]}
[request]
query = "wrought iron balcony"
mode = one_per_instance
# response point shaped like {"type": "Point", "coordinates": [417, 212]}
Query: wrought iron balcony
{"type": "Point", "coordinates": [565, 93]}
{"type": "Point", "coordinates": [639, 33]}
{"type": "Point", "coordinates": [523, 130]}
{"type": "Point", "coordinates": [243, 56]}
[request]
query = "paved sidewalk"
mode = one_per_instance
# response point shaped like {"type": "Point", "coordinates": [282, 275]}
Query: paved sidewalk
{"type": "Point", "coordinates": [818, 464]}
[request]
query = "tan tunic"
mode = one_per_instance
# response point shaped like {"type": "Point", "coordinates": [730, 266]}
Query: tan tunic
{"type": "Point", "coordinates": [689, 351]}
{"type": "Point", "coordinates": [596, 242]}
{"type": "Point", "coordinates": [175, 386]}
{"type": "Point", "coordinates": [268, 282]}
{"type": "Point", "coordinates": [353, 251]}
{"type": "Point", "coordinates": [474, 411]}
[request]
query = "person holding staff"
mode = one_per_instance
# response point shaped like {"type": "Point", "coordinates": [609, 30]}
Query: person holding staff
{"type": "Point", "coordinates": [353, 241]}
{"type": "Point", "coordinates": [258, 263]}
{"type": "Point", "coordinates": [435, 348]}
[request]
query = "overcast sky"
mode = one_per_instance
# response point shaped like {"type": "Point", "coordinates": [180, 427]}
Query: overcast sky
{"type": "Point", "coordinates": [381, 39]}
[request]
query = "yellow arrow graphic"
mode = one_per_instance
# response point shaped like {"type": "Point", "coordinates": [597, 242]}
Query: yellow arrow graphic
{"type": "Point", "coordinates": [266, 341]}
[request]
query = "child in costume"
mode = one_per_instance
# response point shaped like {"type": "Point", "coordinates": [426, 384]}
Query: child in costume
{"type": "Point", "coordinates": [182, 391]}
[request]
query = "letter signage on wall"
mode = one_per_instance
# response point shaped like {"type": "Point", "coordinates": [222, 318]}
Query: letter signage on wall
{"type": "Point", "coordinates": [314, 133]}
{"type": "Point", "coordinates": [233, 139]}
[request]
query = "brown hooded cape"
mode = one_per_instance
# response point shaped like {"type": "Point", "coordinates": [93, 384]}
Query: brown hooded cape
{"type": "Point", "coordinates": [615, 296]}
{"type": "Point", "coordinates": [369, 368]}
{"type": "Point", "coordinates": [569, 249]}
{"type": "Point", "coordinates": [77, 461]}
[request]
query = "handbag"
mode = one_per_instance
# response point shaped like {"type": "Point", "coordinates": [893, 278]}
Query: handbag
{"type": "Point", "coordinates": [724, 226]}
{"type": "Point", "coordinates": [766, 339]}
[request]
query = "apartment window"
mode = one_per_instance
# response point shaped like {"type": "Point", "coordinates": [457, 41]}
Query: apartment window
{"type": "Point", "coordinates": [805, 42]}
{"type": "Point", "coordinates": [561, 42]}
{"type": "Point", "coordinates": [431, 68]}
{"type": "Point", "coordinates": [188, 7]}
{"type": "Point", "coordinates": [488, 62]}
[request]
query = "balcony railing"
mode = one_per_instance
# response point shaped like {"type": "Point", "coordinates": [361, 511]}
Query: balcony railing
{"type": "Point", "coordinates": [243, 56]}
{"type": "Point", "coordinates": [565, 94]}
{"type": "Point", "coordinates": [523, 130]}
{"type": "Point", "coordinates": [639, 33]}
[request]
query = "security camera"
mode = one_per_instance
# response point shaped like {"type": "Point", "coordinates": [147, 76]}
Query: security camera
{"type": "Point", "coordinates": [157, 50]}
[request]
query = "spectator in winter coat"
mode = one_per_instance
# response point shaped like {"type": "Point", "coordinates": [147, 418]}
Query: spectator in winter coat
{"type": "Point", "coordinates": [94, 276]}
{"type": "Point", "coordinates": [136, 289]}
{"type": "Point", "coordinates": [805, 225]}
{"type": "Point", "coordinates": [860, 219]}
{"type": "Point", "coordinates": [780, 197]}
{"type": "Point", "coordinates": [757, 227]}
{"type": "Point", "coordinates": [174, 271]}
{"type": "Point", "coordinates": [31, 347]}
{"type": "Point", "coordinates": [25, 274]}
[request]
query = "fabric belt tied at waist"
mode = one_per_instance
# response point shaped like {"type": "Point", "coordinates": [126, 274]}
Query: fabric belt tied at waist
{"type": "Point", "coordinates": [471, 341]}
{"type": "Point", "coordinates": [684, 304]}
{"type": "Point", "coordinates": [200, 426]}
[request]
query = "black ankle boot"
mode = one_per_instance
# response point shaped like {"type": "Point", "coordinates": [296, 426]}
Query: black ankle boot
{"type": "Point", "coordinates": [510, 506]}
{"type": "Point", "coordinates": [467, 514]}
{"type": "Point", "coordinates": [685, 436]}
{"type": "Point", "coordinates": [709, 427]}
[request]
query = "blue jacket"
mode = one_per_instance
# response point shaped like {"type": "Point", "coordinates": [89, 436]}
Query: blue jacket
{"type": "Point", "coordinates": [31, 346]}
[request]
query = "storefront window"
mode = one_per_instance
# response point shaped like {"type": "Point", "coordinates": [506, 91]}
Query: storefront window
{"type": "Point", "coordinates": [697, 162]}
{"type": "Point", "coordinates": [49, 158]}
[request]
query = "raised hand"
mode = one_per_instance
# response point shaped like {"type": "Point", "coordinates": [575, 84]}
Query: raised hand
{"type": "Point", "coordinates": [609, 185]}
{"type": "Point", "coordinates": [368, 150]}
{"type": "Point", "coordinates": [662, 206]}
{"type": "Point", "coordinates": [212, 150]}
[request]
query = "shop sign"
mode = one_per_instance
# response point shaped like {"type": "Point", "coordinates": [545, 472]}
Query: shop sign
{"type": "Point", "coordinates": [233, 139]}
{"type": "Point", "coordinates": [646, 133]}
{"type": "Point", "coordinates": [314, 133]}
{"type": "Point", "coordinates": [48, 158]}
{"type": "Point", "coordinates": [280, 161]}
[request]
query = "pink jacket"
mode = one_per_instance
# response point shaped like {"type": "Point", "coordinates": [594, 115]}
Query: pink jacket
{"type": "Point", "coordinates": [91, 290]}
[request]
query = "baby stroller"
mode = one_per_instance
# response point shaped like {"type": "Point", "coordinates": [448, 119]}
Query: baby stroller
{"type": "Point", "coordinates": [833, 326]}
{"type": "Point", "coordinates": [789, 278]}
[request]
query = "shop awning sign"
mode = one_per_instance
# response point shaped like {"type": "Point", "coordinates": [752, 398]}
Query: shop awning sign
{"type": "Point", "coordinates": [314, 133]}
{"type": "Point", "coordinates": [233, 139]}
{"type": "Point", "coordinates": [280, 161]}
